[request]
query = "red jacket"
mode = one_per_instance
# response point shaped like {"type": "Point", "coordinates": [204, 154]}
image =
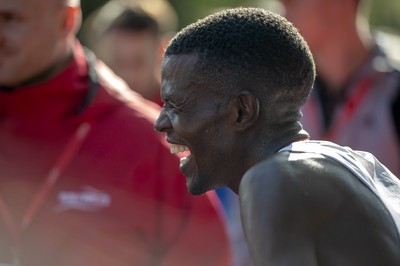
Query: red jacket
{"type": "Point", "coordinates": [118, 197]}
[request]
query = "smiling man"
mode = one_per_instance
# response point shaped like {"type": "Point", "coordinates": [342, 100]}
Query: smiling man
{"type": "Point", "coordinates": [233, 85]}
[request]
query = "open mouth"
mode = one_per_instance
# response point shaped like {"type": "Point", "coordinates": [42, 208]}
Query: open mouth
{"type": "Point", "coordinates": [182, 151]}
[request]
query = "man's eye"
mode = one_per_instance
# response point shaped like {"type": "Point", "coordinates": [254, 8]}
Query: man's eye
{"type": "Point", "coordinates": [7, 17]}
{"type": "Point", "coordinates": [167, 105]}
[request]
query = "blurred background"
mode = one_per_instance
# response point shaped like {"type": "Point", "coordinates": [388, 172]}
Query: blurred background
{"type": "Point", "coordinates": [383, 14]}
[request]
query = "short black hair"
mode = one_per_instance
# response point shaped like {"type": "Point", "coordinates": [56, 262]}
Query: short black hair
{"type": "Point", "coordinates": [135, 19]}
{"type": "Point", "coordinates": [252, 49]}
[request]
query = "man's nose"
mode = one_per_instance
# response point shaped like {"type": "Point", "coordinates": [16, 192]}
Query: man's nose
{"type": "Point", "coordinates": [163, 123]}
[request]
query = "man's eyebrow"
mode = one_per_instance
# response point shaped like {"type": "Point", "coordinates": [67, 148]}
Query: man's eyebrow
{"type": "Point", "coordinates": [173, 99]}
{"type": "Point", "coordinates": [9, 13]}
{"type": "Point", "coordinates": [165, 97]}
{"type": "Point", "coordinates": [165, 91]}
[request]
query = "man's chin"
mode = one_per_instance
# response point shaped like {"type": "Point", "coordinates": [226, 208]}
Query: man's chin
{"type": "Point", "coordinates": [196, 192]}
{"type": "Point", "coordinates": [197, 188]}
{"type": "Point", "coordinates": [6, 81]}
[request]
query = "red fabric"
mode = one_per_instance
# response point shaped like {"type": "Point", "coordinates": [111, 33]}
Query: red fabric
{"type": "Point", "coordinates": [121, 199]}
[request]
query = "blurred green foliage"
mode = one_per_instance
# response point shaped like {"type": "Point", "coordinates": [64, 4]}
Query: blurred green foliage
{"type": "Point", "coordinates": [383, 13]}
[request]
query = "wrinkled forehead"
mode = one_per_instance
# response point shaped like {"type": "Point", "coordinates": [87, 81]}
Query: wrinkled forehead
{"type": "Point", "coordinates": [184, 81]}
{"type": "Point", "coordinates": [177, 76]}
{"type": "Point", "coordinates": [179, 67]}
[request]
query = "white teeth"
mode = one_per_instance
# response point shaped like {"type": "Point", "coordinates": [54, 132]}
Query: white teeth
{"type": "Point", "coordinates": [183, 160]}
{"type": "Point", "coordinates": [175, 148]}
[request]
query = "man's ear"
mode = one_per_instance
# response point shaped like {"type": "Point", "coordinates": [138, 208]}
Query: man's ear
{"type": "Point", "coordinates": [247, 110]}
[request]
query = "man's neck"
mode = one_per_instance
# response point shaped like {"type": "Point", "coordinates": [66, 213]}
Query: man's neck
{"type": "Point", "coordinates": [261, 144]}
{"type": "Point", "coordinates": [284, 134]}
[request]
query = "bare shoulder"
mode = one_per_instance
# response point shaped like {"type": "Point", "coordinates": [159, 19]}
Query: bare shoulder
{"type": "Point", "coordinates": [283, 202]}
{"type": "Point", "coordinates": [285, 177]}
{"type": "Point", "coordinates": [307, 209]}
{"type": "Point", "coordinates": [319, 186]}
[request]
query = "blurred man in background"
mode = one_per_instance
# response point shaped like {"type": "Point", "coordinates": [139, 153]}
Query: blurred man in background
{"type": "Point", "coordinates": [84, 178]}
{"type": "Point", "coordinates": [356, 96]}
{"type": "Point", "coordinates": [129, 36]}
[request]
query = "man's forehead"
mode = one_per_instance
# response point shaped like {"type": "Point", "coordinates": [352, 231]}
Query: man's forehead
{"type": "Point", "coordinates": [181, 59]}
{"type": "Point", "coordinates": [178, 73]}
{"type": "Point", "coordinates": [178, 65]}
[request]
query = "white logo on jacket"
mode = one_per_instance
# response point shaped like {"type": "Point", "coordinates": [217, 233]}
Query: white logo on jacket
{"type": "Point", "coordinates": [88, 199]}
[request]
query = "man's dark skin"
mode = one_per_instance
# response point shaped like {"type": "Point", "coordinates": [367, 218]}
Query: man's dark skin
{"type": "Point", "coordinates": [304, 202]}
{"type": "Point", "coordinates": [305, 211]}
